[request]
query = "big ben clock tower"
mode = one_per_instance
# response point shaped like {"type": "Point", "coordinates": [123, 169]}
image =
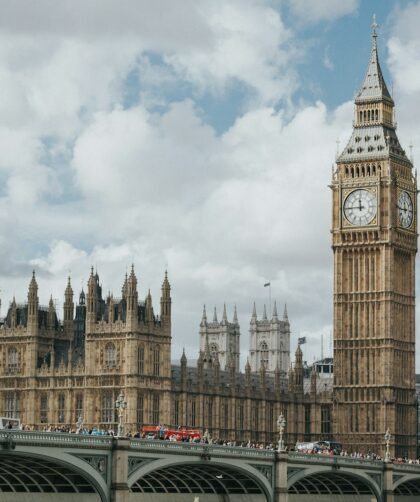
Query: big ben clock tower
{"type": "Point", "coordinates": [374, 234]}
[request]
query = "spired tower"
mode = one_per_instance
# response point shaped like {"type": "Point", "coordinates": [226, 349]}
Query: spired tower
{"type": "Point", "coordinates": [374, 234]}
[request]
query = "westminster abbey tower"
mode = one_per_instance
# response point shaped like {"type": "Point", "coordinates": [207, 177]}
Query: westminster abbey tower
{"type": "Point", "coordinates": [374, 235]}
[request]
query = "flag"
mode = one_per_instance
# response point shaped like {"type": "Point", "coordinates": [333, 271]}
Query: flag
{"type": "Point", "coordinates": [302, 340]}
{"type": "Point", "coordinates": [266, 284]}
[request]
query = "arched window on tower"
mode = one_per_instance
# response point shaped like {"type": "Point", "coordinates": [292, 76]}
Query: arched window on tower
{"type": "Point", "coordinates": [141, 360]}
{"type": "Point", "coordinates": [12, 359]}
{"type": "Point", "coordinates": [214, 350]}
{"type": "Point", "coordinates": [264, 354]}
{"type": "Point", "coordinates": [156, 361]}
{"type": "Point", "coordinates": [110, 359]}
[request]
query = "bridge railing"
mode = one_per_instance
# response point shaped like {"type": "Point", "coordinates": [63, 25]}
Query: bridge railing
{"type": "Point", "coordinates": [199, 449]}
{"type": "Point", "coordinates": [56, 438]}
{"type": "Point", "coordinates": [333, 459]}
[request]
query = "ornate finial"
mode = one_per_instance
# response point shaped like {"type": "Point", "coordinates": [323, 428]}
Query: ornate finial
{"type": "Point", "coordinates": [215, 315]}
{"type": "Point", "coordinates": [375, 25]}
{"type": "Point", "coordinates": [411, 146]}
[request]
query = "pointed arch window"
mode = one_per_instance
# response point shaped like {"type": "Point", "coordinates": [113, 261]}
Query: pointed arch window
{"type": "Point", "coordinates": [141, 360]}
{"type": "Point", "coordinates": [214, 350]}
{"type": "Point", "coordinates": [61, 408]}
{"type": "Point", "coordinates": [156, 361]}
{"type": "Point", "coordinates": [264, 354]}
{"type": "Point", "coordinates": [12, 359]}
{"type": "Point", "coordinates": [110, 358]}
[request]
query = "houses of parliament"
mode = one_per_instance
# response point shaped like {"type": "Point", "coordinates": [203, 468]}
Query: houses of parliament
{"type": "Point", "coordinates": [52, 372]}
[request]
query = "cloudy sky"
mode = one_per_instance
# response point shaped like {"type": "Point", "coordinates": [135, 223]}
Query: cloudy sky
{"type": "Point", "coordinates": [193, 135]}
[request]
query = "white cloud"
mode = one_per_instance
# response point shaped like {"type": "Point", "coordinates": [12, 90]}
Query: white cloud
{"type": "Point", "coordinates": [320, 10]}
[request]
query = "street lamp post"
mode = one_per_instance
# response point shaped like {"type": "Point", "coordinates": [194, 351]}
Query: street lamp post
{"type": "Point", "coordinates": [387, 440]}
{"type": "Point", "coordinates": [79, 424]}
{"type": "Point", "coordinates": [281, 425]}
{"type": "Point", "coordinates": [121, 405]}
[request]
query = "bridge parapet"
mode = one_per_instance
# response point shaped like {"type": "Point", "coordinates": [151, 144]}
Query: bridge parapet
{"type": "Point", "coordinates": [334, 459]}
{"type": "Point", "coordinates": [176, 448]}
{"type": "Point", "coordinates": [57, 439]}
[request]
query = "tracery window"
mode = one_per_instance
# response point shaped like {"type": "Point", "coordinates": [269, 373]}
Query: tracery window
{"type": "Point", "coordinates": [108, 408]}
{"type": "Point", "coordinates": [110, 358]}
{"type": "Point", "coordinates": [43, 409]}
{"type": "Point", "coordinates": [11, 405]}
{"type": "Point", "coordinates": [214, 350]}
{"type": "Point", "coordinates": [155, 415]}
{"type": "Point", "coordinates": [61, 408]}
{"type": "Point", "coordinates": [141, 360]}
{"type": "Point", "coordinates": [156, 361]}
{"type": "Point", "coordinates": [12, 359]}
{"type": "Point", "coordinates": [140, 408]}
{"type": "Point", "coordinates": [264, 354]}
{"type": "Point", "coordinates": [79, 407]}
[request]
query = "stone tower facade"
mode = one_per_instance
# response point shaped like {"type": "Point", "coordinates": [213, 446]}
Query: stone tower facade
{"type": "Point", "coordinates": [221, 340]}
{"type": "Point", "coordinates": [269, 342]}
{"type": "Point", "coordinates": [374, 234]}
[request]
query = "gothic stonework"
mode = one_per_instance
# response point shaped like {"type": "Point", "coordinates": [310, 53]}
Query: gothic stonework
{"type": "Point", "coordinates": [374, 234]}
{"type": "Point", "coordinates": [58, 374]}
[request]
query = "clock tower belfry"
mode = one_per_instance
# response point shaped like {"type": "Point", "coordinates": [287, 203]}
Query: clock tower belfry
{"type": "Point", "coordinates": [374, 234]}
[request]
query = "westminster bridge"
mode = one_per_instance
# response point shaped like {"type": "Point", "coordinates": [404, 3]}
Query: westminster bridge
{"type": "Point", "coordinates": [44, 467]}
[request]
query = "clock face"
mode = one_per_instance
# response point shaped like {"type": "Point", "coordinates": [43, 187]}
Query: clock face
{"type": "Point", "coordinates": [360, 207]}
{"type": "Point", "coordinates": [405, 209]}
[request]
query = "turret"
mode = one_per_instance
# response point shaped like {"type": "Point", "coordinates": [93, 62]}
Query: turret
{"type": "Point", "coordinates": [235, 317]}
{"type": "Point", "coordinates": [275, 318]}
{"type": "Point", "coordinates": [165, 305]}
{"type": "Point", "coordinates": [68, 310]}
{"type": "Point", "coordinates": [132, 301]}
{"type": "Point", "coordinates": [264, 318]}
{"type": "Point", "coordinates": [215, 315]}
{"type": "Point", "coordinates": [254, 315]}
{"type": "Point", "coordinates": [51, 315]}
{"type": "Point", "coordinates": [298, 370]}
{"type": "Point", "coordinates": [13, 320]}
{"type": "Point", "coordinates": [33, 302]}
{"type": "Point", "coordinates": [149, 308]}
{"type": "Point", "coordinates": [183, 370]}
{"type": "Point", "coordinates": [247, 373]}
{"type": "Point", "coordinates": [313, 380]}
{"type": "Point", "coordinates": [285, 316]}
{"type": "Point", "coordinates": [203, 322]}
{"type": "Point", "coordinates": [111, 309]}
{"type": "Point", "coordinates": [91, 309]}
{"type": "Point", "coordinates": [224, 317]}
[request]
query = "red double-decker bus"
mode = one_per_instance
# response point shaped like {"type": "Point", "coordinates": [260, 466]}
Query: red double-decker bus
{"type": "Point", "coordinates": [178, 434]}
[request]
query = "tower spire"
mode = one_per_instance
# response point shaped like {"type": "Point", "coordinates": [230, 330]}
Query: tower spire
{"type": "Point", "coordinates": [215, 315]}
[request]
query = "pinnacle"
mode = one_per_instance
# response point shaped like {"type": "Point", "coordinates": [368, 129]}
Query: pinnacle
{"type": "Point", "coordinates": [215, 315]}
{"type": "Point", "coordinates": [235, 316]}
{"type": "Point", "coordinates": [224, 318]}
{"type": "Point", "coordinates": [275, 310]}
{"type": "Point", "coordinates": [264, 313]}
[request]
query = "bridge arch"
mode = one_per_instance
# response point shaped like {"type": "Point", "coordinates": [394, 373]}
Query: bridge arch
{"type": "Point", "coordinates": [43, 472]}
{"type": "Point", "coordinates": [342, 485]}
{"type": "Point", "coordinates": [407, 488]}
{"type": "Point", "coordinates": [191, 476]}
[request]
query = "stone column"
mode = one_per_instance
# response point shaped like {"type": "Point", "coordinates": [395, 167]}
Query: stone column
{"type": "Point", "coordinates": [280, 487]}
{"type": "Point", "coordinates": [119, 476]}
{"type": "Point", "coordinates": [388, 492]}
